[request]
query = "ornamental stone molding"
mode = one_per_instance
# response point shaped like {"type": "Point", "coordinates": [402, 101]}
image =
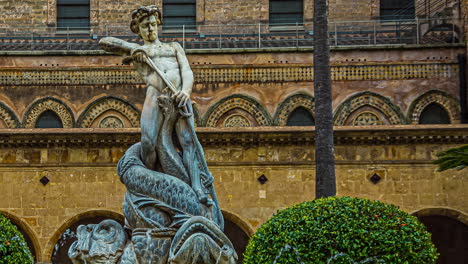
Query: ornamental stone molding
{"type": "Point", "coordinates": [243, 102]}
{"type": "Point", "coordinates": [237, 121]}
{"type": "Point", "coordinates": [105, 104]}
{"type": "Point", "coordinates": [290, 104]}
{"type": "Point", "coordinates": [8, 117]}
{"type": "Point", "coordinates": [111, 122]}
{"type": "Point", "coordinates": [391, 111]}
{"type": "Point", "coordinates": [48, 103]}
{"type": "Point", "coordinates": [448, 102]}
{"type": "Point", "coordinates": [231, 74]}
{"type": "Point", "coordinates": [367, 118]}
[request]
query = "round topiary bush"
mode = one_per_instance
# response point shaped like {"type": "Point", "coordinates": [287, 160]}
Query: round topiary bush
{"type": "Point", "coordinates": [13, 248]}
{"type": "Point", "coordinates": [341, 230]}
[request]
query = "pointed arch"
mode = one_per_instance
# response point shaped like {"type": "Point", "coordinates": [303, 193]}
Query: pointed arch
{"type": "Point", "coordinates": [8, 116]}
{"type": "Point", "coordinates": [237, 101]}
{"type": "Point", "coordinates": [49, 247]}
{"type": "Point", "coordinates": [48, 103]}
{"type": "Point", "coordinates": [374, 100]}
{"type": "Point", "coordinates": [109, 103]}
{"type": "Point", "coordinates": [27, 230]}
{"type": "Point", "coordinates": [290, 104]}
{"type": "Point", "coordinates": [448, 102]}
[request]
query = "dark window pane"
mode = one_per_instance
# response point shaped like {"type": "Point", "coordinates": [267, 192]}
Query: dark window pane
{"type": "Point", "coordinates": [300, 117]}
{"type": "Point", "coordinates": [290, 11]}
{"type": "Point", "coordinates": [49, 119]}
{"type": "Point", "coordinates": [73, 13]}
{"type": "Point", "coordinates": [434, 114]}
{"type": "Point", "coordinates": [179, 10]}
{"type": "Point", "coordinates": [397, 9]}
{"type": "Point", "coordinates": [177, 13]}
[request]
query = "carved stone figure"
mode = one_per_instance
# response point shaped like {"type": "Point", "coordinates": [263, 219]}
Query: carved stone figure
{"type": "Point", "coordinates": [171, 210]}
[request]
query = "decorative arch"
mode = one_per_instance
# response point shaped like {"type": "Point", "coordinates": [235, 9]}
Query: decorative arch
{"type": "Point", "coordinates": [18, 221]}
{"type": "Point", "coordinates": [8, 116]}
{"type": "Point", "coordinates": [48, 103]}
{"type": "Point", "coordinates": [442, 211]}
{"type": "Point", "coordinates": [290, 104]}
{"type": "Point", "coordinates": [236, 219]}
{"type": "Point", "coordinates": [383, 104]}
{"type": "Point", "coordinates": [109, 103]}
{"type": "Point", "coordinates": [245, 103]}
{"type": "Point", "coordinates": [49, 248]}
{"type": "Point", "coordinates": [238, 231]}
{"type": "Point", "coordinates": [448, 102]}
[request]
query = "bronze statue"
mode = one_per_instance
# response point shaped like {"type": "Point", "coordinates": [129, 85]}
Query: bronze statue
{"type": "Point", "coordinates": [171, 210]}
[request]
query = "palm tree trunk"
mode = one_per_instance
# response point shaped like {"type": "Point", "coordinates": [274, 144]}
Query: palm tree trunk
{"type": "Point", "coordinates": [324, 149]}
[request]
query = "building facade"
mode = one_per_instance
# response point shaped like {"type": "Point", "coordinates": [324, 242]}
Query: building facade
{"type": "Point", "coordinates": [68, 110]}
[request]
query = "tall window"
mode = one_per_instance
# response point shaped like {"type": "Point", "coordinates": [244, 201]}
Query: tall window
{"type": "Point", "coordinates": [397, 9]}
{"type": "Point", "coordinates": [434, 114]}
{"type": "Point", "coordinates": [177, 13]}
{"type": "Point", "coordinates": [49, 119]}
{"type": "Point", "coordinates": [286, 12]}
{"type": "Point", "coordinates": [300, 117]}
{"type": "Point", "coordinates": [73, 14]}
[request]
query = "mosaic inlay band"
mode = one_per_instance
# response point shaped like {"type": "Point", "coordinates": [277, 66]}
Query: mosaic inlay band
{"type": "Point", "coordinates": [227, 74]}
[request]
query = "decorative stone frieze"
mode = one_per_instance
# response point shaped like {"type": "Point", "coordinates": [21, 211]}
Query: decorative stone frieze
{"type": "Point", "coordinates": [48, 103]}
{"type": "Point", "coordinates": [230, 74]}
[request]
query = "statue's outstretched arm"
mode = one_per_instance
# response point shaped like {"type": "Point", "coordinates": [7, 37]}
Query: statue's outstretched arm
{"type": "Point", "coordinates": [117, 46]}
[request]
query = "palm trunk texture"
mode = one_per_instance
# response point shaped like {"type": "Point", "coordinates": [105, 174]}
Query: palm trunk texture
{"type": "Point", "coordinates": [324, 149]}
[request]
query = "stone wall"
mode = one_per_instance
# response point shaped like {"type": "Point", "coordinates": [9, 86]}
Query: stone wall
{"type": "Point", "coordinates": [80, 165]}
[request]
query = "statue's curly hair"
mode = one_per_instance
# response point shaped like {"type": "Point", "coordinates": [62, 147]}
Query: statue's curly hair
{"type": "Point", "coordinates": [140, 13]}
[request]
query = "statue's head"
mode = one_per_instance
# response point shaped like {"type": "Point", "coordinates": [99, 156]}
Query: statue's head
{"type": "Point", "coordinates": [145, 21]}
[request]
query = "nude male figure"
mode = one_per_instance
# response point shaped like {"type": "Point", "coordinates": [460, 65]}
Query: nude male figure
{"type": "Point", "coordinates": [172, 62]}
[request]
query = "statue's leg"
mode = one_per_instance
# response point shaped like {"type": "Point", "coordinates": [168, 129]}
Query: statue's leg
{"type": "Point", "coordinates": [187, 142]}
{"type": "Point", "coordinates": [150, 124]}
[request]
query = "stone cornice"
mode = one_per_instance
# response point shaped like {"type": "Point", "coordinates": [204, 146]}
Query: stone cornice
{"type": "Point", "coordinates": [255, 136]}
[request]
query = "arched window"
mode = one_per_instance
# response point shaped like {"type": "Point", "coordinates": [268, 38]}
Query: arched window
{"type": "Point", "coordinates": [73, 14]}
{"type": "Point", "coordinates": [177, 13]}
{"type": "Point", "coordinates": [49, 119]}
{"type": "Point", "coordinates": [397, 9]}
{"type": "Point", "coordinates": [434, 114]}
{"type": "Point", "coordinates": [300, 117]}
{"type": "Point", "coordinates": [286, 12]}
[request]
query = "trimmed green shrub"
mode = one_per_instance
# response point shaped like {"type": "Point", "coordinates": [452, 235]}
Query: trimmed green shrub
{"type": "Point", "coordinates": [341, 231]}
{"type": "Point", "coordinates": [13, 248]}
